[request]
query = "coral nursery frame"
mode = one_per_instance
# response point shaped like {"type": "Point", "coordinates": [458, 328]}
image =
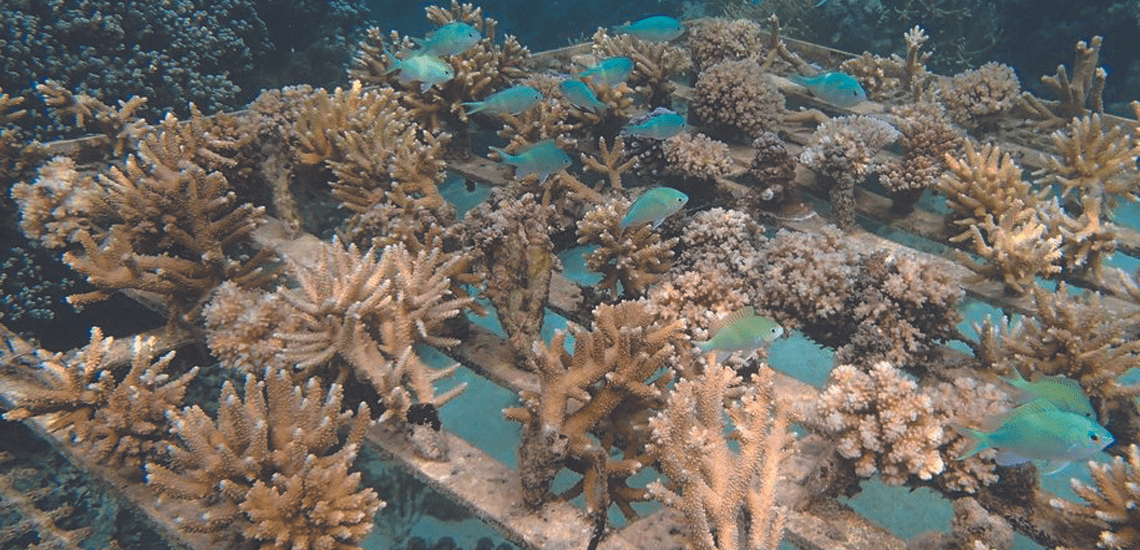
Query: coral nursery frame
{"type": "Point", "coordinates": [489, 489]}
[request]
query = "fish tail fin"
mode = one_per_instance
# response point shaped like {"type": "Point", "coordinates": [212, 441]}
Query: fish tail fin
{"type": "Point", "coordinates": [979, 441]}
{"type": "Point", "coordinates": [502, 154]}
{"type": "Point", "coordinates": [478, 106]}
{"type": "Point", "coordinates": [705, 346]}
{"type": "Point", "coordinates": [393, 61]}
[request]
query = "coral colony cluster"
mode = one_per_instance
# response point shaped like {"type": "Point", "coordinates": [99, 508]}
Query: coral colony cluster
{"type": "Point", "coordinates": [306, 242]}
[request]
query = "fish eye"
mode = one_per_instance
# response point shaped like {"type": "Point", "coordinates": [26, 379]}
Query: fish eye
{"type": "Point", "coordinates": [1094, 437]}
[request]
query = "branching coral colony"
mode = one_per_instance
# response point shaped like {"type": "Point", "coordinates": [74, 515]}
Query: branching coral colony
{"type": "Point", "coordinates": [196, 212]}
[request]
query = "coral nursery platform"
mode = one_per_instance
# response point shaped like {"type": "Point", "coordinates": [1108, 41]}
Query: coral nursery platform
{"type": "Point", "coordinates": [967, 229]}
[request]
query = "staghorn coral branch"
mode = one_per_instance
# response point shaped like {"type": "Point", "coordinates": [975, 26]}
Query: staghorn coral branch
{"type": "Point", "coordinates": [726, 496]}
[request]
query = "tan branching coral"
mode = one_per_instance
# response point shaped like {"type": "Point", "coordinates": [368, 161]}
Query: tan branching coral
{"type": "Point", "coordinates": [1016, 248]}
{"type": "Point", "coordinates": [550, 119]}
{"type": "Point", "coordinates": [926, 138]}
{"type": "Point", "coordinates": [737, 96]}
{"type": "Point", "coordinates": [17, 153]}
{"type": "Point", "coordinates": [611, 366]}
{"type": "Point", "coordinates": [272, 470]}
{"type": "Point", "coordinates": [173, 223]}
{"type": "Point", "coordinates": [725, 494]}
{"type": "Point", "coordinates": [843, 150]}
{"type": "Point", "coordinates": [633, 256]}
{"type": "Point", "coordinates": [978, 98]}
{"type": "Point", "coordinates": [517, 260]}
{"type": "Point", "coordinates": [894, 78]}
{"type": "Point", "coordinates": [121, 126]}
{"type": "Point", "coordinates": [1097, 158]}
{"type": "Point", "coordinates": [1079, 94]}
{"type": "Point", "coordinates": [190, 212]}
{"type": "Point", "coordinates": [372, 147]}
{"type": "Point", "coordinates": [654, 63]}
{"type": "Point", "coordinates": [1111, 504]}
{"type": "Point", "coordinates": [1074, 336]}
{"type": "Point", "coordinates": [369, 310]}
{"type": "Point", "coordinates": [611, 161]}
{"type": "Point", "coordinates": [121, 422]}
{"type": "Point", "coordinates": [985, 183]}
{"type": "Point", "coordinates": [695, 155]}
{"type": "Point", "coordinates": [1086, 239]}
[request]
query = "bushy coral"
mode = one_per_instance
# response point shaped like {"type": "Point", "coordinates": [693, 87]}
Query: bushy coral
{"type": "Point", "coordinates": [698, 156]}
{"type": "Point", "coordinates": [976, 99]}
{"type": "Point", "coordinates": [926, 137]}
{"type": "Point", "coordinates": [843, 150]}
{"type": "Point", "coordinates": [717, 39]}
{"type": "Point", "coordinates": [736, 96]}
{"type": "Point", "coordinates": [888, 425]}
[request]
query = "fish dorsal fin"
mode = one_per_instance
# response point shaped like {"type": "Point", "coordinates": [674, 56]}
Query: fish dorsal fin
{"type": "Point", "coordinates": [731, 318]}
{"type": "Point", "coordinates": [1033, 408]}
{"type": "Point", "coordinates": [1061, 380]}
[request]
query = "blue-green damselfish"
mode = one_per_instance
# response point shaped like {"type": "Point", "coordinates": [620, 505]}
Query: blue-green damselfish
{"type": "Point", "coordinates": [581, 96]}
{"type": "Point", "coordinates": [451, 39]}
{"type": "Point", "coordinates": [542, 158]}
{"type": "Point", "coordinates": [512, 100]}
{"type": "Point", "coordinates": [838, 89]}
{"type": "Point", "coordinates": [1040, 431]}
{"type": "Point", "coordinates": [663, 125]}
{"type": "Point", "coordinates": [1064, 393]}
{"type": "Point", "coordinates": [658, 28]}
{"type": "Point", "coordinates": [653, 206]}
{"type": "Point", "coordinates": [609, 72]}
{"type": "Point", "coordinates": [428, 70]}
{"type": "Point", "coordinates": [741, 330]}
